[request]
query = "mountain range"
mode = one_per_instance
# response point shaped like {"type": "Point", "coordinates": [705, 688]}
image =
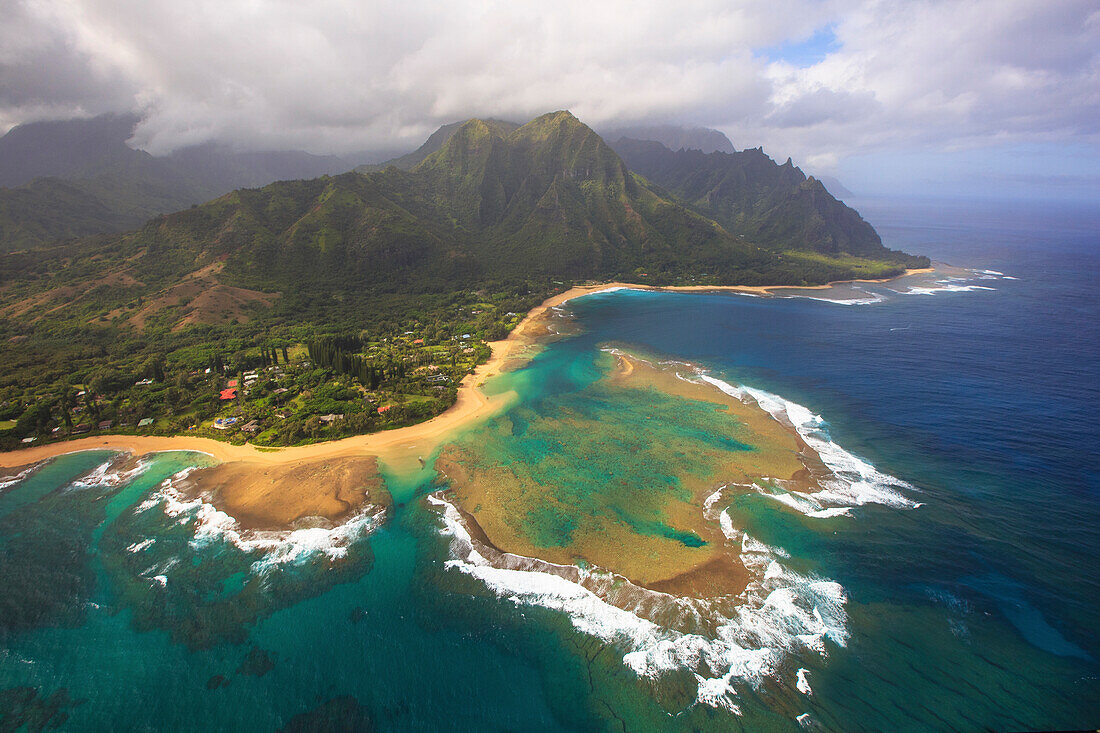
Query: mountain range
{"type": "Point", "coordinates": [485, 203]}
{"type": "Point", "coordinates": [73, 178]}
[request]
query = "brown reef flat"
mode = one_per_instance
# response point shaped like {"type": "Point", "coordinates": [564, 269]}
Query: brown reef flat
{"type": "Point", "coordinates": [273, 496]}
{"type": "Point", "coordinates": [497, 501]}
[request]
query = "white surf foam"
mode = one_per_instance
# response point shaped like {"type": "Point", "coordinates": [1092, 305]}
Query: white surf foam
{"type": "Point", "coordinates": [854, 481]}
{"type": "Point", "coordinates": [944, 286]}
{"type": "Point", "coordinates": [803, 683]}
{"type": "Point", "coordinates": [277, 547]}
{"type": "Point", "coordinates": [107, 474]}
{"type": "Point", "coordinates": [9, 481]}
{"type": "Point", "coordinates": [780, 613]}
{"type": "Point", "coordinates": [872, 299]}
{"type": "Point", "coordinates": [139, 546]}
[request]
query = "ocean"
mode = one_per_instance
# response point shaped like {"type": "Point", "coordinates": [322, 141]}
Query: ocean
{"type": "Point", "coordinates": [948, 582]}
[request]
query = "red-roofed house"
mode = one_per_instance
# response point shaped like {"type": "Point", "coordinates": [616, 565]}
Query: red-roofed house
{"type": "Point", "coordinates": [386, 408]}
{"type": "Point", "coordinates": [418, 341]}
{"type": "Point", "coordinates": [231, 383]}
{"type": "Point", "coordinates": [229, 394]}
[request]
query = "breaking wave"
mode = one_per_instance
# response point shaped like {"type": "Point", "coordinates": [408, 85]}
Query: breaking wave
{"type": "Point", "coordinates": [6, 482]}
{"type": "Point", "coordinates": [277, 547]}
{"type": "Point", "coordinates": [852, 480]}
{"type": "Point", "coordinates": [726, 643]}
{"type": "Point", "coordinates": [729, 643]}
{"type": "Point", "coordinates": [958, 283]}
{"type": "Point", "coordinates": [112, 473]}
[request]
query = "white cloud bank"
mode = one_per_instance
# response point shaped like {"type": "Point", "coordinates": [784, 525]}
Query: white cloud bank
{"type": "Point", "coordinates": [344, 75]}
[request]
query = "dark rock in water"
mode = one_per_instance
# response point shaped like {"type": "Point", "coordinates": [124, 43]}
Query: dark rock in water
{"type": "Point", "coordinates": [216, 681]}
{"type": "Point", "coordinates": [257, 663]}
{"type": "Point", "coordinates": [23, 708]}
{"type": "Point", "coordinates": [338, 715]}
{"type": "Point", "coordinates": [357, 615]}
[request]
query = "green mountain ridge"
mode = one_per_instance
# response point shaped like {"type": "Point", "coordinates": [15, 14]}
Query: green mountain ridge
{"type": "Point", "coordinates": [434, 142]}
{"type": "Point", "coordinates": [549, 199]}
{"type": "Point", "coordinates": [749, 194]}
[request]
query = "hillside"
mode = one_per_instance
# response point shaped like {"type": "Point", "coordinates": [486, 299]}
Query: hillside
{"type": "Point", "coordinates": [749, 194]}
{"type": "Point", "coordinates": [64, 179]}
{"type": "Point", "coordinates": [434, 142]}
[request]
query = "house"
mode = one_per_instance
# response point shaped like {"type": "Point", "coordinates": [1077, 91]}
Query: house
{"type": "Point", "coordinates": [418, 341]}
{"type": "Point", "coordinates": [384, 409]}
{"type": "Point", "coordinates": [251, 427]}
{"type": "Point", "coordinates": [29, 440]}
{"type": "Point", "coordinates": [281, 390]}
{"type": "Point", "coordinates": [143, 382]}
{"type": "Point", "coordinates": [439, 378]}
{"type": "Point", "coordinates": [229, 394]}
{"type": "Point", "coordinates": [80, 429]}
{"type": "Point", "coordinates": [224, 423]}
{"type": "Point", "coordinates": [329, 419]}
{"type": "Point", "coordinates": [145, 422]}
{"type": "Point", "coordinates": [106, 424]}
{"type": "Point", "coordinates": [231, 383]}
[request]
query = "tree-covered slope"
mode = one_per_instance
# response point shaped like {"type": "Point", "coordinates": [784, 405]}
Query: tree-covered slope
{"type": "Point", "coordinates": [434, 142]}
{"type": "Point", "coordinates": [549, 199]}
{"type": "Point", "coordinates": [749, 194]}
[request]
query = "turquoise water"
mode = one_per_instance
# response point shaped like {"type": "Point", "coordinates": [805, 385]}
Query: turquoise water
{"type": "Point", "coordinates": [974, 610]}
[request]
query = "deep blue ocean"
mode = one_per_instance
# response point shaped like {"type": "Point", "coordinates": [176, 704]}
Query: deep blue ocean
{"type": "Point", "coordinates": [976, 609]}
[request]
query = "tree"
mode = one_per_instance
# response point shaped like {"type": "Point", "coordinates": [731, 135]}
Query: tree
{"type": "Point", "coordinates": [35, 420]}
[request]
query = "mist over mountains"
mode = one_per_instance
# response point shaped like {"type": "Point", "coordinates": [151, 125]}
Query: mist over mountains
{"type": "Point", "coordinates": [73, 178]}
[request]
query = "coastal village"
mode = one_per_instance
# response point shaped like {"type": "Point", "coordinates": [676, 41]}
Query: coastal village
{"type": "Point", "coordinates": [270, 393]}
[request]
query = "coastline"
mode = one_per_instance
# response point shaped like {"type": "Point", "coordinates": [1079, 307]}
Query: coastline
{"type": "Point", "coordinates": [401, 447]}
{"type": "Point", "coordinates": [582, 290]}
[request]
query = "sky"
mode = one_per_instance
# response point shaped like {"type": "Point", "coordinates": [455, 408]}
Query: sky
{"type": "Point", "coordinates": [913, 97]}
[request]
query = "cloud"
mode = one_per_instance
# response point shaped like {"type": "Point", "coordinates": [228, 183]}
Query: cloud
{"type": "Point", "coordinates": [345, 75]}
{"type": "Point", "coordinates": [942, 76]}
